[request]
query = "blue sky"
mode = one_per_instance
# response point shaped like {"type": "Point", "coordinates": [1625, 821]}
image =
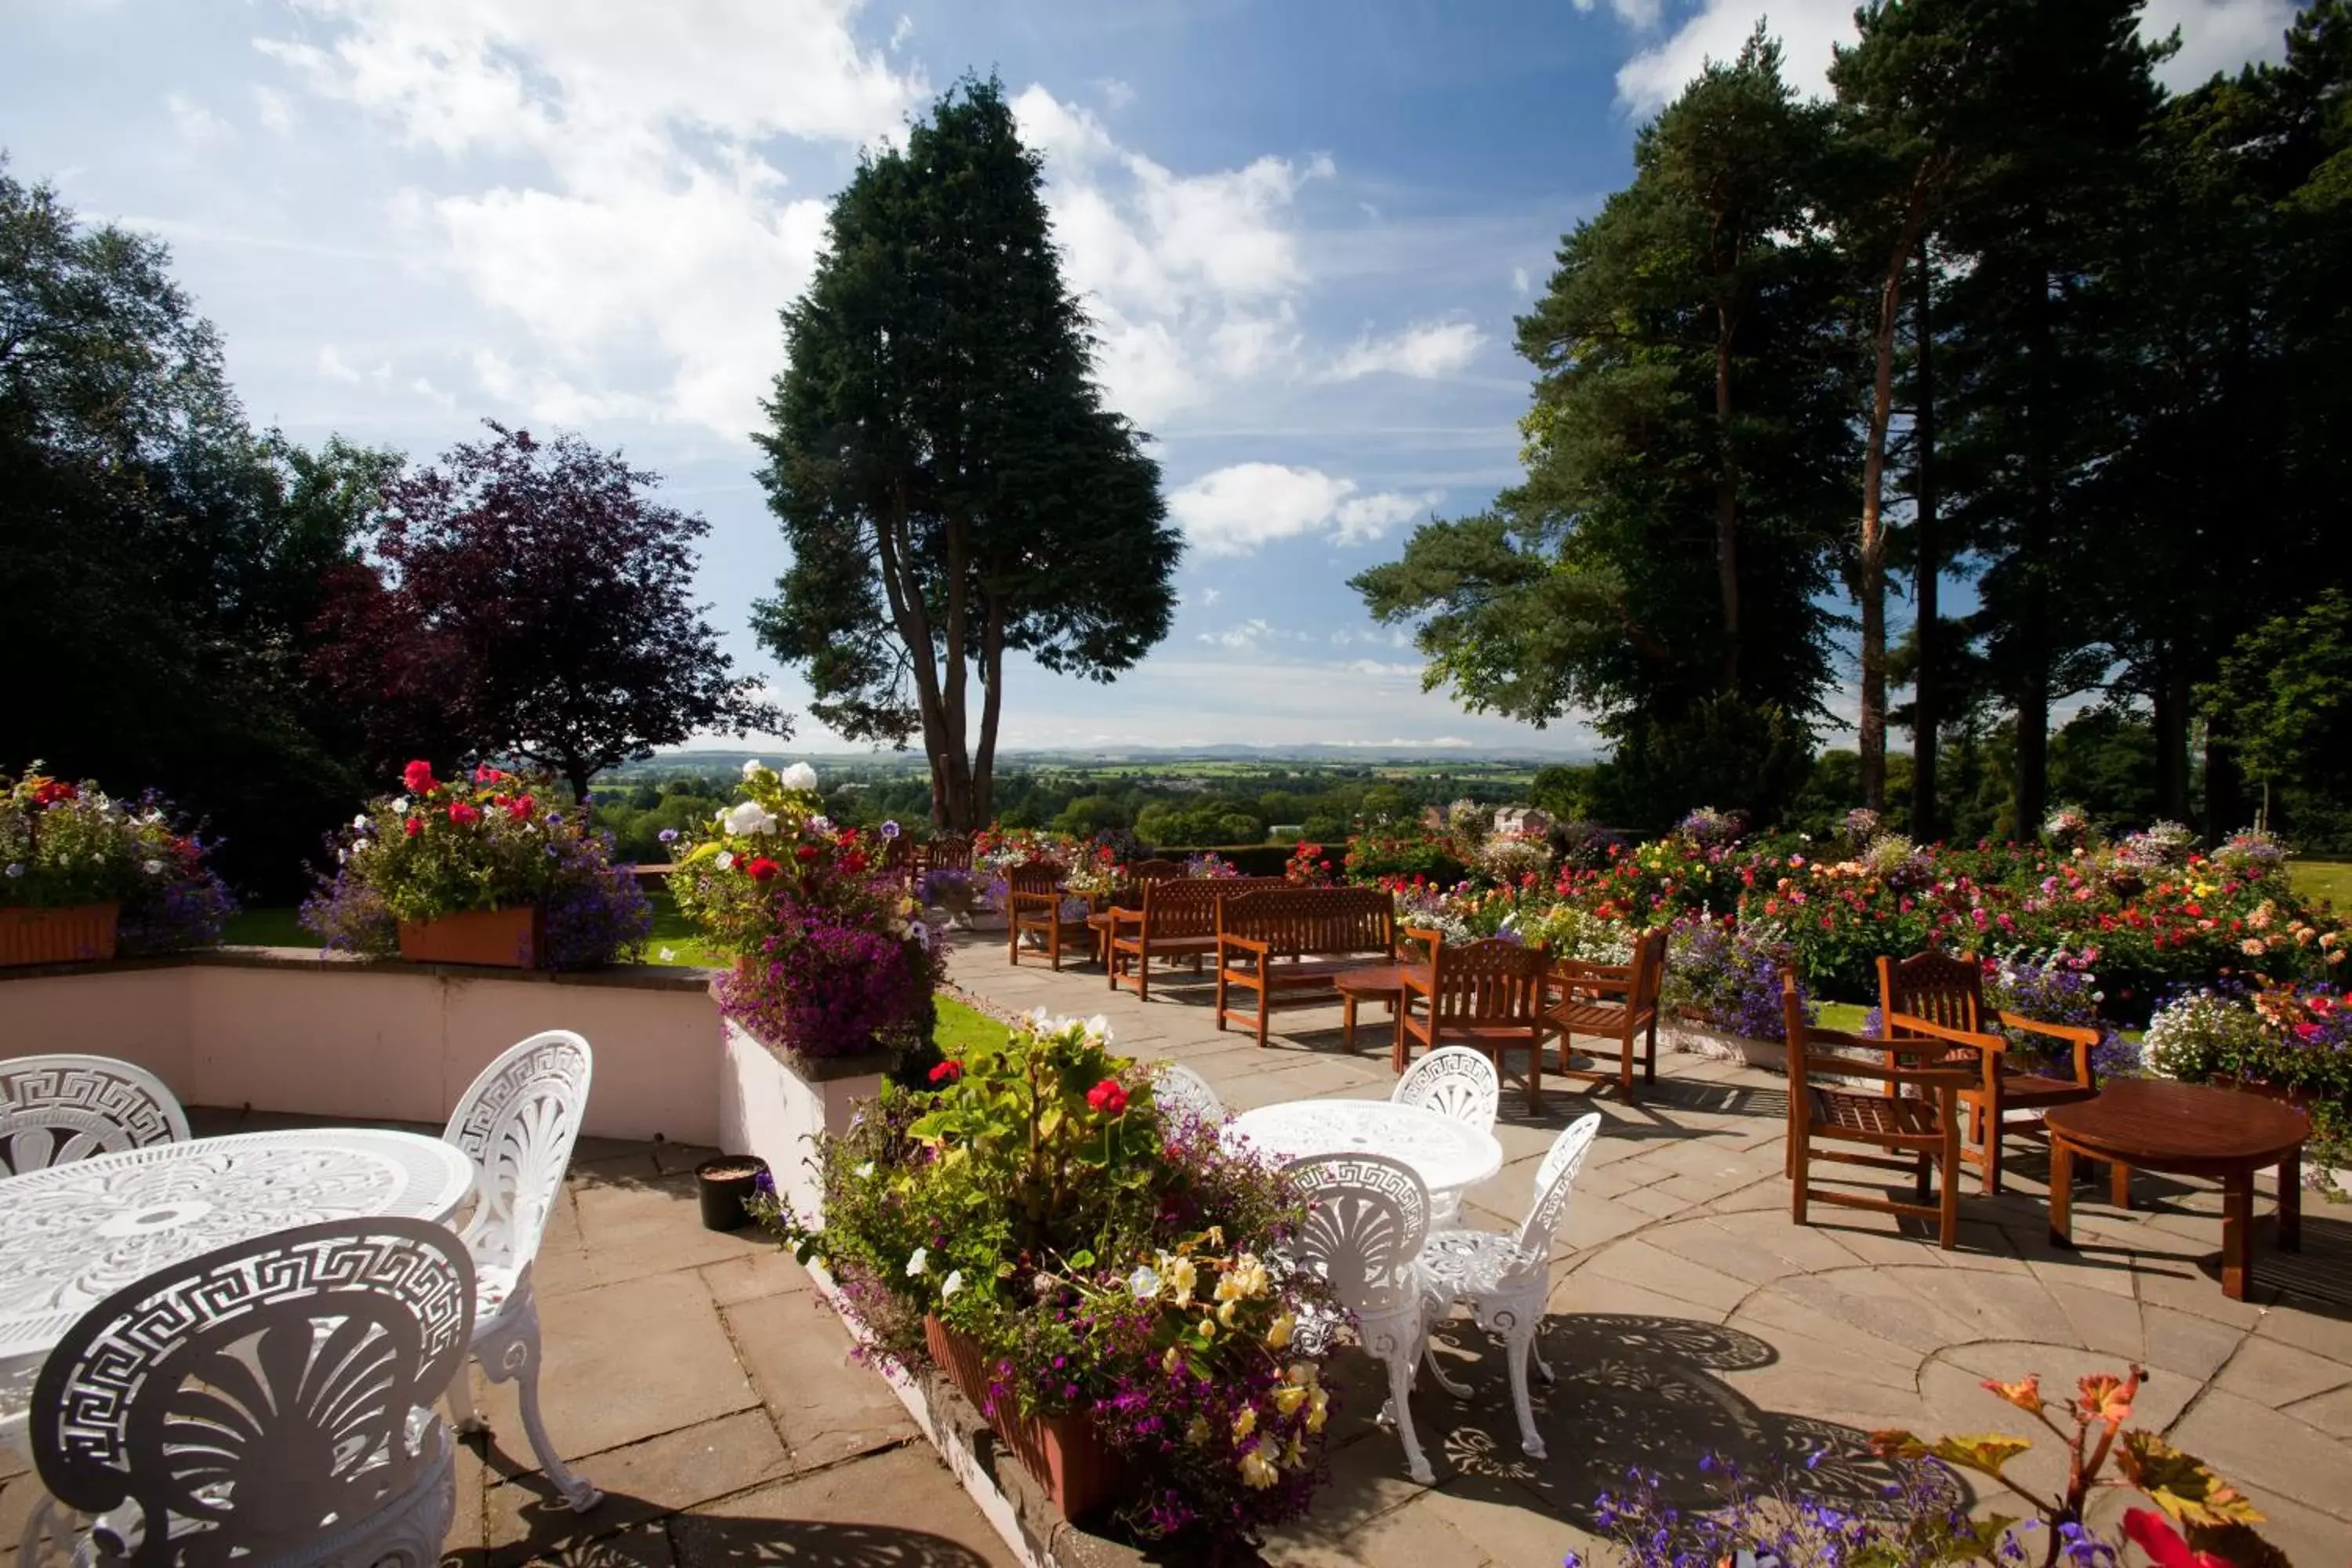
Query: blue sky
{"type": "Point", "coordinates": [1303, 227]}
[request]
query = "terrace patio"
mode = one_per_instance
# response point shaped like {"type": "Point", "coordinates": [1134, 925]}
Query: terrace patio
{"type": "Point", "coordinates": [698, 1380]}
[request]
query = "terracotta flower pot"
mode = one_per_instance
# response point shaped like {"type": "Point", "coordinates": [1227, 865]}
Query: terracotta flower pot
{"type": "Point", "coordinates": [1079, 1471]}
{"type": "Point", "coordinates": [81, 933]}
{"type": "Point", "coordinates": [503, 939]}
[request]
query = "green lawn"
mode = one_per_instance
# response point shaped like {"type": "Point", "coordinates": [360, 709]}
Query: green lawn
{"type": "Point", "coordinates": [1845, 1015]}
{"type": "Point", "coordinates": [675, 941]}
{"type": "Point", "coordinates": [272, 926]}
{"type": "Point", "coordinates": [2330, 879]}
{"type": "Point", "coordinates": [960, 1027]}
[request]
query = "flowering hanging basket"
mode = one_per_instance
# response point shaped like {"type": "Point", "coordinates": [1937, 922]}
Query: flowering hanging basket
{"type": "Point", "coordinates": [503, 939]}
{"type": "Point", "coordinates": [81, 933]}
{"type": "Point", "coordinates": [1082, 1474]}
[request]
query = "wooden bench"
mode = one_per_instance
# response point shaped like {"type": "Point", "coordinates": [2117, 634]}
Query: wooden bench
{"type": "Point", "coordinates": [1175, 919]}
{"type": "Point", "coordinates": [1291, 945]}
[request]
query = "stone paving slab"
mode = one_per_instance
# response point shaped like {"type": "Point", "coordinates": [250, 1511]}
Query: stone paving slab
{"type": "Point", "coordinates": [1688, 1313]}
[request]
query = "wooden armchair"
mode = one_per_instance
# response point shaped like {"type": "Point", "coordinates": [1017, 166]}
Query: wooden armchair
{"type": "Point", "coordinates": [1937, 996]}
{"type": "Point", "coordinates": [1034, 904]}
{"type": "Point", "coordinates": [1614, 1003]}
{"type": "Point", "coordinates": [1488, 995]}
{"type": "Point", "coordinates": [1913, 1126]}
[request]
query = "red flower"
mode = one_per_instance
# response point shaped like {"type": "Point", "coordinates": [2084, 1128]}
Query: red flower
{"type": "Point", "coordinates": [415, 826]}
{"type": "Point", "coordinates": [760, 870]}
{"type": "Point", "coordinates": [522, 807]}
{"type": "Point", "coordinates": [464, 814]}
{"type": "Point", "coordinates": [854, 862]}
{"type": "Point", "coordinates": [2152, 1533]}
{"type": "Point", "coordinates": [1109, 1098]}
{"type": "Point", "coordinates": [49, 791]}
{"type": "Point", "coordinates": [947, 1072]}
{"type": "Point", "coordinates": [485, 774]}
{"type": "Point", "coordinates": [418, 777]}
{"type": "Point", "coordinates": [805, 853]}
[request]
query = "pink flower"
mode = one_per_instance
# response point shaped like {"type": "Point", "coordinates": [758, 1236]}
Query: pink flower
{"type": "Point", "coordinates": [947, 1072]}
{"type": "Point", "coordinates": [464, 814]}
{"type": "Point", "coordinates": [418, 777]}
{"type": "Point", "coordinates": [1109, 1098]}
{"type": "Point", "coordinates": [414, 825]}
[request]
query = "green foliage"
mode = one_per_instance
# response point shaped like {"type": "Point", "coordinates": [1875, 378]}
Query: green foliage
{"type": "Point", "coordinates": [2283, 698]}
{"type": "Point", "coordinates": [445, 847]}
{"type": "Point", "coordinates": [947, 477]}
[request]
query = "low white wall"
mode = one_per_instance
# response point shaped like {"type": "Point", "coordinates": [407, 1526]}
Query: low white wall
{"type": "Point", "coordinates": [286, 1031]}
{"type": "Point", "coordinates": [775, 1106]}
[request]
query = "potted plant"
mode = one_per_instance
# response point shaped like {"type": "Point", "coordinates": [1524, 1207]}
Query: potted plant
{"type": "Point", "coordinates": [1721, 993]}
{"type": "Point", "coordinates": [832, 957]}
{"type": "Point", "coordinates": [478, 869]}
{"type": "Point", "coordinates": [84, 876]}
{"type": "Point", "coordinates": [1100, 1280]}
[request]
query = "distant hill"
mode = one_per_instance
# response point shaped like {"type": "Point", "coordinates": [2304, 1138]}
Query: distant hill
{"type": "Point", "coordinates": [706, 760]}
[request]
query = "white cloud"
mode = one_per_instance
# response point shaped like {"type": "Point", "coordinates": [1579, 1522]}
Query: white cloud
{"type": "Point", "coordinates": [1244, 634]}
{"type": "Point", "coordinates": [333, 366]}
{"type": "Point", "coordinates": [425, 388]}
{"type": "Point", "coordinates": [900, 31]}
{"type": "Point", "coordinates": [1426, 350]}
{"type": "Point", "coordinates": [2215, 35]}
{"type": "Point", "coordinates": [273, 109]}
{"type": "Point", "coordinates": [1232, 511]}
{"type": "Point", "coordinates": [1382, 669]}
{"type": "Point", "coordinates": [1190, 277]}
{"type": "Point", "coordinates": [196, 125]}
{"type": "Point", "coordinates": [650, 225]}
{"type": "Point", "coordinates": [1211, 596]}
{"type": "Point", "coordinates": [1519, 283]}
{"type": "Point", "coordinates": [1116, 94]}
{"type": "Point", "coordinates": [1640, 13]}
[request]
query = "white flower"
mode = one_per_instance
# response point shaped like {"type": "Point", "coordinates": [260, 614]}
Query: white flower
{"type": "Point", "coordinates": [669, 955]}
{"type": "Point", "coordinates": [152, 867]}
{"type": "Point", "coordinates": [17, 870]}
{"type": "Point", "coordinates": [1144, 1283]}
{"type": "Point", "coordinates": [919, 1263]}
{"type": "Point", "coordinates": [726, 862]}
{"type": "Point", "coordinates": [754, 768]}
{"type": "Point", "coordinates": [342, 856]}
{"type": "Point", "coordinates": [865, 1170]}
{"type": "Point", "coordinates": [360, 844]}
{"type": "Point", "coordinates": [1099, 1026]}
{"type": "Point", "coordinates": [400, 804]}
{"type": "Point", "coordinates": [750, 817]}
{"type": "Point", "coordinates": [800, 775]}
{"type": "Point", "coordinates": [820, 823]}
{"type": "Point", "coordinates": [951, 1284]}
{"type": "Point", "coordinates": [360, 821]}
{"type": "Point", "coordinates": [918, 931]}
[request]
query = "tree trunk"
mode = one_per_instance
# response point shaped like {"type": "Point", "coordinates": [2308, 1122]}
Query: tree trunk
{"type": "Point", "coordinates": [1727, 501]}
{"type": "Point", "coordinates": [958, 758]}
{"type": "Point", "coordinates": [903, 590]}
{"type": "Point", "coordinates": [2032, 802]}
{"type": "Point", "coordinates": [2225, 810]}
{"type": "Point", "coordinates": [991, 706]}
{"type": "Point", "coordinates": [1871, 585]}
{"type": "Point", "coordinates": [578, 775]}
{"type": "Point", "coordinates": [2168, 693]}
{"type": "Point", "coordinates": [1927, 575]}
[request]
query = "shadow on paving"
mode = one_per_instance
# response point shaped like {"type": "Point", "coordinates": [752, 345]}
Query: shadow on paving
{"type": "Point", "coordinates": [1634, 1393]}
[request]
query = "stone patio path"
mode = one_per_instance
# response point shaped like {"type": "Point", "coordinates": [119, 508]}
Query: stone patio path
{"type": "Point", "coordinates": [1688, 1314]}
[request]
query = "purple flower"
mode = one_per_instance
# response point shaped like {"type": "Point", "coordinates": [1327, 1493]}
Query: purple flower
{"type": "Point", "coordinates": [891, 829]}
{"type": "Point", "coordinates": [667, 836]}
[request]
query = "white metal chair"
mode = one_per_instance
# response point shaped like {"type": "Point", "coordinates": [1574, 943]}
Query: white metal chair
{"type": "Point", "coordinates": [57, 1109]}
{"type": "Point", "coordinates": [518, 1123]}
{"type": "Point", "coordinates": [1367, 1219]}
{"type": "Point", "coordinates": [270, 1402]}
{"type": "Point", "coordinates": [1504, 1277]}
{"type": "Point", "coordinates": [1457, 1083]}
{"type": "Point", "coordinates": [1179, 1089]}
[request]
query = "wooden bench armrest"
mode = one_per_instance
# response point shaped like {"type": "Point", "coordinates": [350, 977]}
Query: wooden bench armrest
{"type": "Point", "coordinates": [1934, 1031]}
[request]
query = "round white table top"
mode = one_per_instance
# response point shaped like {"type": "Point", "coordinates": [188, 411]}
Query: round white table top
{"type": "Point", "coordinates": [1450, 1156]}
{"type": "Point", "coordinates": [72, 1235]}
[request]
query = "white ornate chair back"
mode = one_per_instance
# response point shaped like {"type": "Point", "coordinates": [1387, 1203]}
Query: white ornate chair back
{"type": "Point", "coordinates": [57, 1109]}
{"type": "Point", "coordinates": [1453, 1081]}
{"type": "Point", "coordinates": [263, 1399]}
{"type": "Point", "coordinates": [518, 1123]}
{"type": "Point", "coordinates": [1555, 1177]}
{"type": "Point", "coordinates": [1180, 1089]}
{"type": "Point", "coordinates": [1368, 1215]}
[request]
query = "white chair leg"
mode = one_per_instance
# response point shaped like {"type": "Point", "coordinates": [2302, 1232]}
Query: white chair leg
{"type": "Point", "coordinates": [1400, 1389]}
{"type": "Point", "coordinates": [1429, 1359]}
{"type": "Point", "coordinates": [514, 1353]}
{"type": "Point", "coordinates": [1519, 1345]}
{"type": "Point", "coordinates": [37, 1524]}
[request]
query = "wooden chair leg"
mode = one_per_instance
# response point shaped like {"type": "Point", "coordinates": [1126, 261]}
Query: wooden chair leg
{"type": "Point", "coordinates": [1650, 1055]}
{"type": "Point", "coordinates": [1799, 1177]}
{"type": "Point", "coordinates": [1265, 997]}
{"type": "Point", "coordinates": [1535, 1073]}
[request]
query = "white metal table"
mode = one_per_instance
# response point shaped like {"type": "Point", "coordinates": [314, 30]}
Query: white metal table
{"type": "Point", "coordinates": [1450, 1156]}
{"type": "Point", "coordinates": [72, 1235]}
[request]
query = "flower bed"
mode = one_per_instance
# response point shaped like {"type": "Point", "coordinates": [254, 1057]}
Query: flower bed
{"type": "Point", "coordinates": [833, 958]}
{"type": "Point", "coordinates": [2295, 1041]}
{"type": "Point", "coordinates": [100, 875]}
{"type": "Point", "coordinates": [1099, 1258]}
{"type": "Point", "coordinates": [486, 842]}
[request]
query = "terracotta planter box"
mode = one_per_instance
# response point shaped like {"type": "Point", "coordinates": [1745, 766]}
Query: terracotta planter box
{"type": "Point", "coordinates": [82, 933]}
{"type": "Point", "coordinates": [503, 939]}
{"type": "Point", "coordinates": [1079, 1471]}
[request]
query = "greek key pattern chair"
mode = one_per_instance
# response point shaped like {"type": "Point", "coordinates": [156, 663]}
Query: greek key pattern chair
{"type": "Point", "coordinates": [518, 1123]}
{"type": "Point", "coordinates": [270, 1402]}
{"type": "Point", "coordinates": [1504, 1277]}
{"type": "Point", "coordinates": [57, 1109]}
{"type": "Point", "coordinates": [1367, 1219]}
{"type": "Point", "coordinates": [1178, 1089]}
{"type": "Point", "coordinates": [1457, 1083]}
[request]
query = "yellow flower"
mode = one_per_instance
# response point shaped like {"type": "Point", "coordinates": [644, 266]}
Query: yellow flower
{"type": "Point", "coordinates": [1207, 1330]}
{"type": "Point", "coordinates": [1317, 1403]}
{"type": "Point", "coordinates": [2252, 947]}
{"type": "Point", "coordinates": [1303, 1374]}
{"type": "Point", "coordinates": [1289, 1398]}
{"type": "Point", "coordinates": [1225, 1313]}
{"type": "Point", "coordinates": [1294, 1454]}
{"type": "Point", "coordinates": [1257, 1467]}
{"type": "Point", "coordinates": [1170, 1361]}
{"type": "Point", "coordinates": [1277, 1334]}
{"type": "Point", "coordinates": [1245, 1280]}
{"type": "Point", "coordinates": [1245, 1423]}
{"type": "Point", "coordinates": [1198, 1432]}
{"type": "Point", "coordinates": [1178, 1277]}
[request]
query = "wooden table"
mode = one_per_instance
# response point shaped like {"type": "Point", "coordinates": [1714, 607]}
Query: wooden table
{"type": "Point", "coordinates": [2186, 1130]}
{"type": "Point", "coordinates": [1384, 984]}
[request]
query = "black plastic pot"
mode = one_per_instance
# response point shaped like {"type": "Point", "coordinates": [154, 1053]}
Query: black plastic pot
{"type": "Point", "coordinates": [726, 1185]}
